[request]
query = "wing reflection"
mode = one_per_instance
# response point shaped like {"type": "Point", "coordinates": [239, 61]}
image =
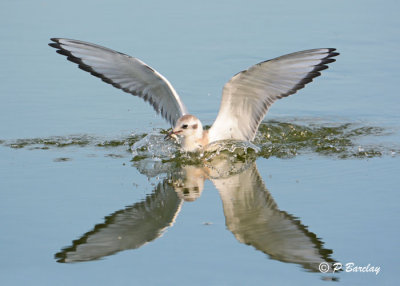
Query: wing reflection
{"type": "Point", "coordinates": [251, 214]}
{"type": "Point", "coordinates": [129, 228]}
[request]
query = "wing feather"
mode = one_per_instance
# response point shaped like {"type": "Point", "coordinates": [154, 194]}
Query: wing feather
{"type": "Point", "coordinates": [126, 73]}
{"type": "Point", "coordinates": [247, 96]}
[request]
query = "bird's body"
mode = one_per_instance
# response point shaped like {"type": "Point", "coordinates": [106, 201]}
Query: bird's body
{"type": "Point", "coordinates": [246, 97]}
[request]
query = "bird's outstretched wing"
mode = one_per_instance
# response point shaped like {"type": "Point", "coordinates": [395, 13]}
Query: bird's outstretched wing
{"type": "Point", "coordinates": [124, 72]}
{"type": "Point", "coordinates": [248, 95]}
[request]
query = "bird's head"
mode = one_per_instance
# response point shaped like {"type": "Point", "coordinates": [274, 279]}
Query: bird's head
{"type": "Point", "coordinates": [188, 126]}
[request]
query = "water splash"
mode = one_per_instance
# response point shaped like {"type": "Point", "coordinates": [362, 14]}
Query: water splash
{"type": "Point", "coordinates": [154, 146]}
{"type": "Point", "coordinates": [155, 157]}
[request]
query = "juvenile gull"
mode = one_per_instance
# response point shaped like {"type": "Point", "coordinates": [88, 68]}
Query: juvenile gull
{"type": "Point", "coordinates": [246, 97]}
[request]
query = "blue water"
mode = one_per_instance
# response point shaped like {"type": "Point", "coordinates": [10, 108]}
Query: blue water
{"type": "Point", "coordinates": [51, 197]}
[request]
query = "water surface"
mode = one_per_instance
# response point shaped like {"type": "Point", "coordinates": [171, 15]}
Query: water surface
{"type": "Point", "coordinates": [78, 206]}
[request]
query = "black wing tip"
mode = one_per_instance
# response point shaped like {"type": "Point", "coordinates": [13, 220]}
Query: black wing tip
{"type": "Point", "coordinates": [328, 59]}
{"type": "Point", "coordinates": [60, 50]}
{"type": "Point", "coordinates": [316, 72]}
{"type": "Point", "coordinates": [55, 43]}
{"type": "Point", "coordinates": [332, 53]}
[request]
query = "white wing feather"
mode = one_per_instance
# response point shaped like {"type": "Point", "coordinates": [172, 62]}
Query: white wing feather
{"type": "Point", "coordinates": [125, 72]}
{"type": "Point", "coordinates": [248, 95]}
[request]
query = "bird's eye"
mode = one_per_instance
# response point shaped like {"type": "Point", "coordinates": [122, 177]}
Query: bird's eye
{"type": "Point", "coordinates": [184, 126]}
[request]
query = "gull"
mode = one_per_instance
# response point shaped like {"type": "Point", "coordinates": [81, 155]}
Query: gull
{"type": "Point", "coordinates": [246, 97]}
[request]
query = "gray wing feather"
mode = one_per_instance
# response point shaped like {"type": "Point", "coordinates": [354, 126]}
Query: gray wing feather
{"type": "Point", "coordinates": [126, 73]}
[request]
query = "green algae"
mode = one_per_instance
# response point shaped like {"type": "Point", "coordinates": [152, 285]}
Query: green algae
{"type": "Point", "coordinates": [274, 139]}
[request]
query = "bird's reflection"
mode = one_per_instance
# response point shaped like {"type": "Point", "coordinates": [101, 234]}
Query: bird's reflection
{"type": "Point", "coordinates": [251, 214]}
{"type": "Point", "coordinates": [128, 228]}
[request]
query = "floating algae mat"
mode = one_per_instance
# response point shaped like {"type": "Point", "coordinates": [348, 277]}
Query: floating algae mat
{"type": "Point", "coordinates": [286, 140]}
{"type": "Point", "coordinates": [274, 139]}
{"type": "Point", "coordinates": [68, 141]}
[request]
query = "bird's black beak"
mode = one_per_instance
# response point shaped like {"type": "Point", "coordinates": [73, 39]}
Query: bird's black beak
{"type": "Point", "coordinates": [169, 135]}
{"type": "Point", "coordinates": [172, 134]}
